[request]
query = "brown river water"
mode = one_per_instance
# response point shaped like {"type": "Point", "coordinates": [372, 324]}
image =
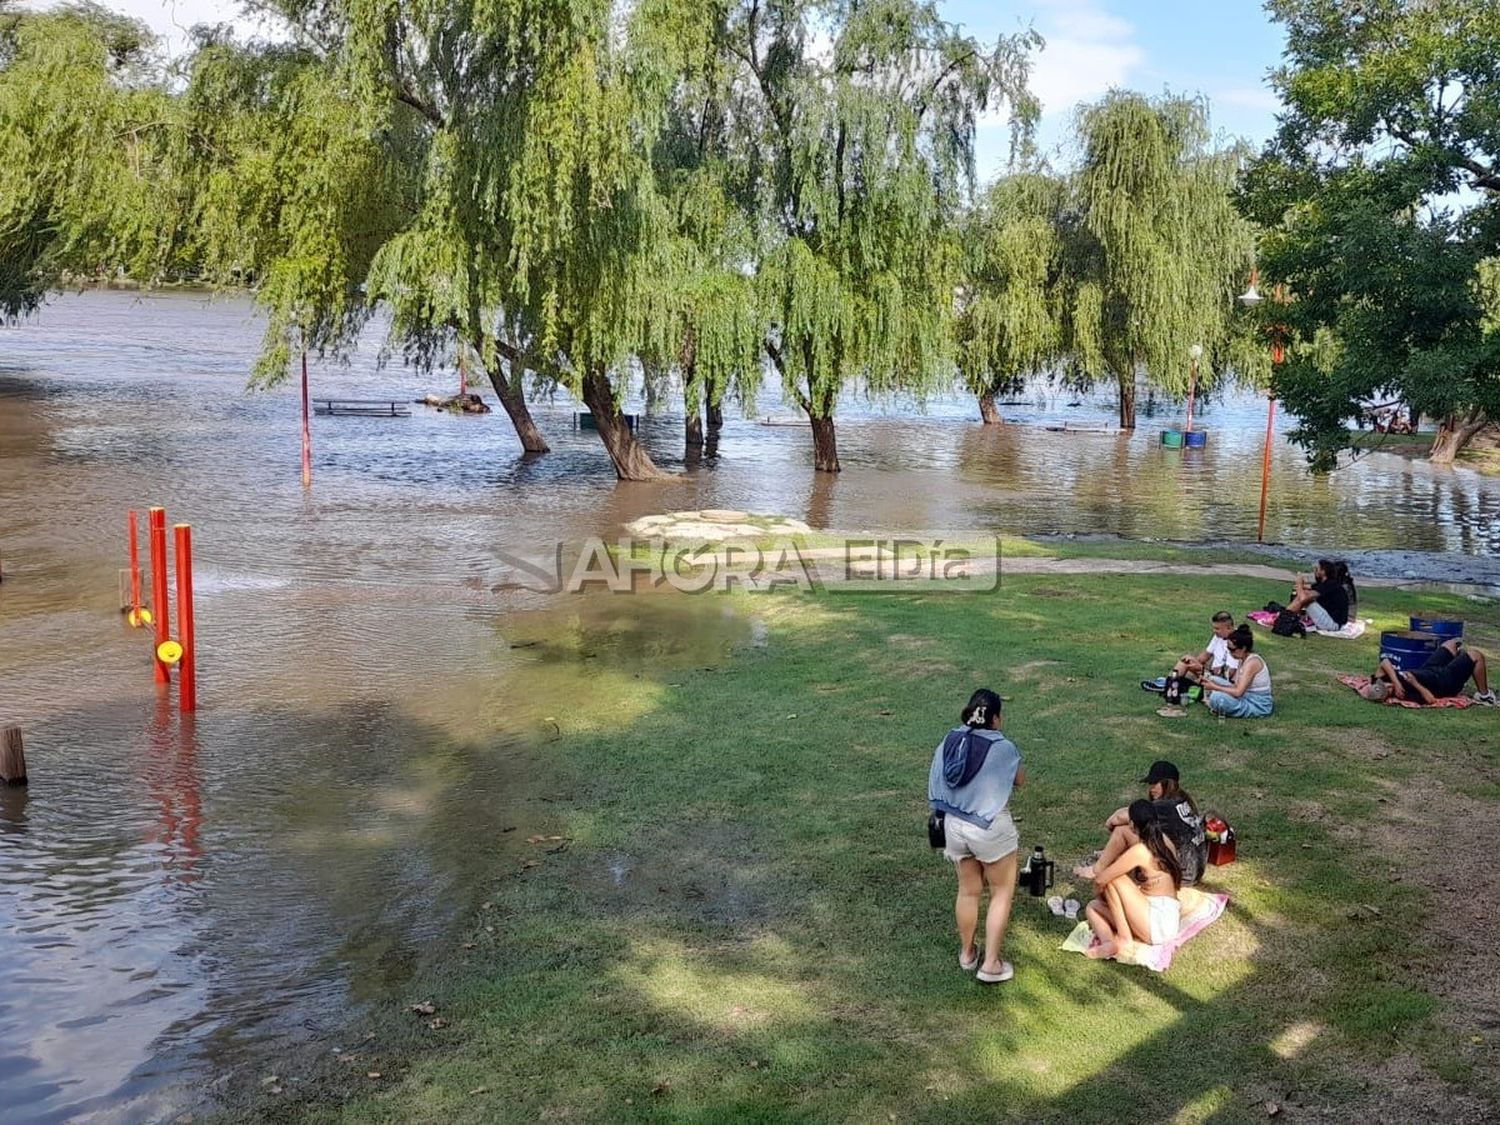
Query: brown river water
{"type": "Point", "coordinates": [181, 900]}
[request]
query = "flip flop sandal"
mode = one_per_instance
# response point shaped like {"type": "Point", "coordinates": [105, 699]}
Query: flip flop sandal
{"type": "Point", "coordinates": [970, 966]}
{"type": "Point", "coordinates": [1171, 712]}
{"type": "Point", "coordinates": [1055, 904]}
{"type": "Point", "coordinates": [1070, 909]}
{"type": "Point", "coordinates": [1007, 970]}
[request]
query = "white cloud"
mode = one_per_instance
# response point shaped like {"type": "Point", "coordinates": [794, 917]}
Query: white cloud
{"type": "Point", "coordinates": [1088, 51]}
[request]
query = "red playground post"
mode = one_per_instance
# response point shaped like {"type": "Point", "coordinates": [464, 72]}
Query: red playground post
{"type": "Point", "coordinates": [306, 429]}
{"type": "Point", "coordinates": [157, 529]}
{"type": "Point", "coordinates": [187, 679]}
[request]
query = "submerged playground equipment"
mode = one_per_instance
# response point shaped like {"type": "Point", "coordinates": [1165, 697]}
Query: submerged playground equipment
{"type": "Point", "coordinates": [167, 652]}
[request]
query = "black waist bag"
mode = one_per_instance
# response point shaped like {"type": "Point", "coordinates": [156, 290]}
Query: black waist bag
{"type": "Point", "coordinates": [937, 835]}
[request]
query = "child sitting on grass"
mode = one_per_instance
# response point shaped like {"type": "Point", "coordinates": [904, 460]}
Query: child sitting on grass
{"type": "Point", "coordinates": [1137, 892]}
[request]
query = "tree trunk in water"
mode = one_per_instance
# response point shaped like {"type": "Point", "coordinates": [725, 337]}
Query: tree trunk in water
{"type": "Point", "coordinates": [632, 462]}
{"type": "Point", "coordinates": [825, 446]}
{"type": "Point", "coordinates": [988, 411]}
{"type": "Point", "coordinates": [715, 418]}
{"type": "Point", "coordinates": [1455, 432]}
{"type": "Point", "coordinates": [1127, 404]}
{"type": "Point", "coordinates": [514, 402]}
{"type": "Point", "coordinates": [693, 438]}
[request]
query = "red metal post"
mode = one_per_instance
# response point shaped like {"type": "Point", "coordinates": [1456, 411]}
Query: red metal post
{"type": "Point", "coordinates": [187, 679]}
{"type": "Point", "coordinates": [135, 562]}
{"type": "Point", "coordinates": [306, 429]}
{"type": "Point", "coordinates": [1265, 470]}
{"type": "Point", "coordinates": [156, 520]}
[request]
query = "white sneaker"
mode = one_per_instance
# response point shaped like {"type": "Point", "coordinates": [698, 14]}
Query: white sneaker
{"type": "Point", "coordinates": [1485, 699]}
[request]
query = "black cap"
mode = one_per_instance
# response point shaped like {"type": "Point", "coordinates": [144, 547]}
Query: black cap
{"type": "Point", "coordinates": [1161, 771]}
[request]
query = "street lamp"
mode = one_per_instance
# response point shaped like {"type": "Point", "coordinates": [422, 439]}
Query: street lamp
{"type": "Point", "coordinates": [1250, 298]}
{"type": "Point", "coordinates": [1196, 351]}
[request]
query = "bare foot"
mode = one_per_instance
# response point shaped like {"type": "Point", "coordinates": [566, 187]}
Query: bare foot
{"type": "Point", "coordinates": [1101, 952]}
{"type": "Point", "coordinates": [1084, 871]}
{"type": "Point", "coordinates": [1124, 951]}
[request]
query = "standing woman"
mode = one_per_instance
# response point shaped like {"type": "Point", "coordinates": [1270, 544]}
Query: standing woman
{"type": "Point", "coordinates": [1249, 695]}
{"type": "Point", "coordinates": [973, 772]}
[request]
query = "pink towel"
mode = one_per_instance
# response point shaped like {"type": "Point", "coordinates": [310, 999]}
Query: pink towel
{"type": "Point", "coordinates": [1158, 957]}
{"type": "Point", "coordinates": [1359, 683]}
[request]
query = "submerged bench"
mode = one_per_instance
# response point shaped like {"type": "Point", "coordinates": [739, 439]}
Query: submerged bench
{"type": "Point", "coordinates": [362, 407]}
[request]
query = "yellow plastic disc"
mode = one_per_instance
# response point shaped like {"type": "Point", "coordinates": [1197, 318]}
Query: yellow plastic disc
{"type": "Point", "coordinates": [169, 652]}
{"type": "Point", "coordinates": [141, 617]}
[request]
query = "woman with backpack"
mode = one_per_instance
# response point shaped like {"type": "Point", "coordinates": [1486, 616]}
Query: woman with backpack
{"type": "Point", "coordinates": [1248, 696]}
{"type": "Point", "coordinates": [974, 771]}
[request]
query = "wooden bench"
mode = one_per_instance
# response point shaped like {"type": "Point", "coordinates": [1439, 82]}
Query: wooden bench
{"type": "Point", "coordinates": [361, 407]}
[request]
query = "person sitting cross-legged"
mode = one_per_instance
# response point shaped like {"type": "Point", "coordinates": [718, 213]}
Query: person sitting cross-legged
{"type": "Point", "coordinates": [1179, 818]}
{"type": "Point", "coordinates": [1248, 696]}
{"type": "Point", "coordinates": [1443, 676]}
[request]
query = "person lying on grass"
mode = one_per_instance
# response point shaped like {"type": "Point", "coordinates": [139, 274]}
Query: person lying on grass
{"type": "Point", "coordinates": [1214, 658]}
{"type": "Point", "coordinates": [1443, 676]}
{"type": "Point", "coordinates": [1249, 695]}
{"type": "Point", "coordinates": [1178, 815]}
{"type": "Point", "coordinates": [974, 770]}
{"type": "Point", "coordinates": [1137, 892]}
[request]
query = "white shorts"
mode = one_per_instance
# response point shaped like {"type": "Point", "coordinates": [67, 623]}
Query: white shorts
{"type": "Point", "coordinates": [1166, 918]}
{"type": "Point", "coordinates": [987, 845]}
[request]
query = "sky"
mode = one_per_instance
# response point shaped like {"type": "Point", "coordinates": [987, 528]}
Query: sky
{"type": "Point", "coordinates": [1219, 48]}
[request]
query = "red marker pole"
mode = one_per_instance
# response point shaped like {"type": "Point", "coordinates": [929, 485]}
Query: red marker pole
{"type": "Point", "coordinates": [463, 374]}
{"type": "Point", "coordinates": [1265, 470]}
{"type": "Point", "coordinates": [156, 520]}
{"type": "Point", "coordinates": [135, 562]}
{"type": "Point", "coordinates": [1192, 389]}
{"type": "Point", "coordinates": [187, 679]}
{"type": "Point", "coordinates": [306, 429]}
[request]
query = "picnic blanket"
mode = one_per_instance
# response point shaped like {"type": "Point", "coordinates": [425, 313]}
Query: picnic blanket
{"type": "Point", "coordinates": [1349, 632]}
{"type": "Point", "coordinates": [1199, 911]}
{"type": "Point", "coordinates": [1359, 683]}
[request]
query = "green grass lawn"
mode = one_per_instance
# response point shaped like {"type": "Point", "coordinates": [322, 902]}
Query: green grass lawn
{"type": "Point", "coordinates": [744, 921]}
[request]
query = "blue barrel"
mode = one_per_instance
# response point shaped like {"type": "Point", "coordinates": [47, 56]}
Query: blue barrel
{"type": "Point", "coordinates": [1446, 628]}
{"type": "Point", "coordinates": [1171, 439]}
{"type": "Point", "coordinates": [1407, 648]}
{"type": "Point", "coordinates": [1198, 439]}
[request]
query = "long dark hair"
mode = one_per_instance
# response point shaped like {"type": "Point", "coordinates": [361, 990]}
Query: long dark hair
{"type": "Point", "coordinates": [1171, 791]}
{"type": "Point", "coordinates": [1157, 843]}
{"type": "Point", "coordinates": [983, 708]}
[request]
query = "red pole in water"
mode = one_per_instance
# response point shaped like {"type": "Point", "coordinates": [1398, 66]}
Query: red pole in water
{"type": "Point", "coordinates": [135, 563]}
{"type": "Point", "coordinates": [187, 679]}
{"type": "Point", "coordinates": [463, 374]}
{"type": "Point", "coordinates": [306, 429]}
{"type": "Point", "coordinates": [157, 530]}
{"type": "Point", "coordinates": [1265, 470]}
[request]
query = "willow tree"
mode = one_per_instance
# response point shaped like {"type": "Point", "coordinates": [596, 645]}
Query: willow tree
{"type": "Point", "coordinates": [1159, 250]}
{"type": "Point", "coordinates": [503, 149]}
{"type": "Point", "coordinates": [700, 317]}
{"type": "Point", "coordinates": [88, 136]}
{"type": "Point", "coordinates": [1012, 301]}
{"type": "Point", "coordinates": [863, 155]}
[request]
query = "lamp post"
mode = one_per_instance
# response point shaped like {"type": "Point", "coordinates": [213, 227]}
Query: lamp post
{"type": "Point", "coordinates": [1195, 352]}
{"type": "Point", "coordinates": [1250, 298]}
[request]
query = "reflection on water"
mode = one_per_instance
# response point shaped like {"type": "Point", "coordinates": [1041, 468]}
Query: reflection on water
{"type": "Point", "coordinates": [178, 899]}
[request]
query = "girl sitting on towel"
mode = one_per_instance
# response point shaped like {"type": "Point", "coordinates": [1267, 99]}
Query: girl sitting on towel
{"type": "Point", "coordinates": [1137, 892]}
